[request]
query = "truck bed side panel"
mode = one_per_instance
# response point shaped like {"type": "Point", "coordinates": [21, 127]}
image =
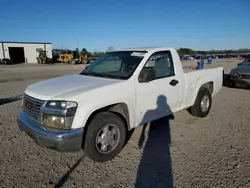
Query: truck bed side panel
{"type": "Point", "coordinates": [196, 79]}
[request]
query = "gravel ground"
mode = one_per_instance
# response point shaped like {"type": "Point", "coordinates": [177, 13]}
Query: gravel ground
{"type": "Point", "coordinates": [185, 152]}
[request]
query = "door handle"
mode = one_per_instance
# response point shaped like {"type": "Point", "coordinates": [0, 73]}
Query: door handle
{"type": "Point", "coordinates": [173, 82]}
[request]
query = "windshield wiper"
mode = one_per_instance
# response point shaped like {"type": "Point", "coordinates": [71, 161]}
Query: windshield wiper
{"type": "Point", "coordinates": [88, 73]}
{"type": "Point", "coordinates": [96, 74]}
{"type": "Point", "coordinates": [102, 75]}
{"type": "Point", "coordinates": [112, 76]}
{"type": "Point", "coordinates": [106, 75]}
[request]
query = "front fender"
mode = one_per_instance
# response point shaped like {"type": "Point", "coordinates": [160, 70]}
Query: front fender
{"type": "Point", "coordinates": [84, 112]}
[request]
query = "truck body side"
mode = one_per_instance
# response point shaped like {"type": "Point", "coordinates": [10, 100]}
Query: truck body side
{"type": "Point", "coordinates": [94, 111]}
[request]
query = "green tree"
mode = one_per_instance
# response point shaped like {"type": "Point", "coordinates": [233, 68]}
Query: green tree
{"type": "Point", "coordinates": [185, 51]}
{"type": "Point", "coordinates": [84, 51]}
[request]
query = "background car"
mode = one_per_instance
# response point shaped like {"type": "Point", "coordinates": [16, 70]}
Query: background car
{"type": "Point", "coordinates": [240, 75]}
{"type": "Point", "coordinates": [6, 61]}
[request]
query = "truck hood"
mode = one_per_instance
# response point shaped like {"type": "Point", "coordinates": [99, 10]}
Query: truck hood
{"type": "Point", "coordinates": [66, 86]}
{"type": "Point", "coordinates": [241, 70]}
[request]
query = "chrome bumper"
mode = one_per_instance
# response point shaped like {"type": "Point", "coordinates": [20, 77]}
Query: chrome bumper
{"type": "Point", "coordinates": [64, 141]}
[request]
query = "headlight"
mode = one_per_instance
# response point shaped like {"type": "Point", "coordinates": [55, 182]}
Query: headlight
{"type": "Point", "coordinates": [60, 104]}
{"type": "Point", "coordinates": [57, 121]}
{"type": "Point", "coordinates": [58, 114]}
{"type": "Point", "coordinates": [234, 74]}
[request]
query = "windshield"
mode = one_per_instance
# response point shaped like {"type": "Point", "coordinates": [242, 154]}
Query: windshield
{"type": "Point", "coordinates": [246, 61]}
{"type": "Point", "coordinates": [117, 65]}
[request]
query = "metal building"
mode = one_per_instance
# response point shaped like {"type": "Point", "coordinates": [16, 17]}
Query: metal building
{"type": "Point", "coordinates": [24, 52]}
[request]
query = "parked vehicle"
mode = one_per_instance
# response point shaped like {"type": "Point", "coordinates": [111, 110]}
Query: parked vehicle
{"type": "Point", "coordinates": [72, 58]}
{"type": "Point", "coordinates": [187, 57]}
{"type": "Point", "coordinates": [200, 57]}
{"type": "Point", "coordinates": [42, 58]}
{"type": "Point", "coordinates": [95, 109]}
{"type": "Point", "coordinates": [92, 59]}
{"type": "Point", "coordinates": [240, 75]}
{"type": "Point", "coordinates": [6, 61]}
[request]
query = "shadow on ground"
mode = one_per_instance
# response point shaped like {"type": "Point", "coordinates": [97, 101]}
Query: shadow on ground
{"type": "Point", "coordinates": [9, 100]}
{"type": "Point", "coordinates": [155, 168]}
{"type": "Point", "coordinates": [65, 177]}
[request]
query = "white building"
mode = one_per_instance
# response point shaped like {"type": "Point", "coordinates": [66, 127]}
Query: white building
{"type": "Point", "coordinates": [20, 52]}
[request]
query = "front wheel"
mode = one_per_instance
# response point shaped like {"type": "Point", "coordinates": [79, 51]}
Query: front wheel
{"type": "Point", "coordinates": [105, 137]}
{"type": "Point", "coordinates": [202, 104]}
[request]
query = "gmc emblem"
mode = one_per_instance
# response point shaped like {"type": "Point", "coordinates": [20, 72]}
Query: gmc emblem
{"type": "Point", "coordinates": [29, 105]}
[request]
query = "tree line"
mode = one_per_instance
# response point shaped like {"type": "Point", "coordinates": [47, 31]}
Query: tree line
{"type": "Point", "coordinates": [188, 51]}
{"type": "Point", "coordinates": [181, 51]}
{"type": "Point", "coordinates": [83, 52]}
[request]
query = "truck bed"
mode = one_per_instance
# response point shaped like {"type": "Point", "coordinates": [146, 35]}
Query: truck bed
{"type": "Point", "coordinates": [194, 79]}
{"type": "Point", "coordinates": [188, 66]}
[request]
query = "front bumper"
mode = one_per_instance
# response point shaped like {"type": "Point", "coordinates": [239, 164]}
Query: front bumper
{"type": "Point", "coordinates": [239, 80]}
{"type": "Point", "coordinates": [64, 141]}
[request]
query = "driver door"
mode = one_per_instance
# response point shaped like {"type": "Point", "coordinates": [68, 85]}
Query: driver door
{"type": "Point", "coordinates": [159, 97]}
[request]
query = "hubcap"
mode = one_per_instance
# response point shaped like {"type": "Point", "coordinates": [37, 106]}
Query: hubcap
{"type": "Point", "coordinates": [107, 138]}
{"type": "Point", "coordinates": [205, 103]}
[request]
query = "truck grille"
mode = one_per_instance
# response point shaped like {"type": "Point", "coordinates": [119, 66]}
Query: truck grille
{"type": "Point", "coordinates": [31, 107]}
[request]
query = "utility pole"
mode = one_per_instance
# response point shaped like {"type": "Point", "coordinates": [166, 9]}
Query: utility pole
{"type": "Point", "coordinates": [77, 45]}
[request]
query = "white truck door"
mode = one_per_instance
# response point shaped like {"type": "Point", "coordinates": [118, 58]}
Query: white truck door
{"type": "Point", "coordinates": [158, 97]}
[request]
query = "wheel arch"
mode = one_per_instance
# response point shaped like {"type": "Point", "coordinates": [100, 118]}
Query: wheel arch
{"type": "Point", "coordinates": [120, 109]}
{"type": "Point", "coordinates": [195, 108]}
{"type": "Point", "coordinates": [208, 85]}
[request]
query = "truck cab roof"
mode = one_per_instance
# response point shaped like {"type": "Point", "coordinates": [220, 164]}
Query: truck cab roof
{"type": "Point", "coordinates": [146, 49]}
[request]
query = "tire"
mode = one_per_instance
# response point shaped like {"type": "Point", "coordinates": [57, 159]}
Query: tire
{"type": "Point", "coordinates": [232, 84]}
{"type": "Point", "coordinates": [196, 109]}
{"type": "Point", "coordinates": [91, 147]}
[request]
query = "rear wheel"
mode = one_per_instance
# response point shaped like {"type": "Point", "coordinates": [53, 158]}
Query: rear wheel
{"type": "Point", "coordinates": [105, 137]}
{"type": "Point", "coordinates": [202, 104]}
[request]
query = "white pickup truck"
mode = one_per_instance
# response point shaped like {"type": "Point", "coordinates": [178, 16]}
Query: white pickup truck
{"type": "Point", "coordinates": [95, 109]}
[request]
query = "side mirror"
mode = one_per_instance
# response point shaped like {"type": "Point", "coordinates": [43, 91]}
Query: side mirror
{"type": "Point", "coordinates": [146, 75]}
{"type": "Point", "coordinates": [239, 64]}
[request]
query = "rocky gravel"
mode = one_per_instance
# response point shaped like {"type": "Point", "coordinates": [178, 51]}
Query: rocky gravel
{"type": "Point", "coordinates": [183, 152]}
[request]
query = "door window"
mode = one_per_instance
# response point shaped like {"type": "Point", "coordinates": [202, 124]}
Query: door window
{"type": "Point", "coordinates": [161, 63]}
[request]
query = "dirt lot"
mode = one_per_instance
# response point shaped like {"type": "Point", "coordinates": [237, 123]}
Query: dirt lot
{"type": "Point", "coordinates": [191, 152]}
